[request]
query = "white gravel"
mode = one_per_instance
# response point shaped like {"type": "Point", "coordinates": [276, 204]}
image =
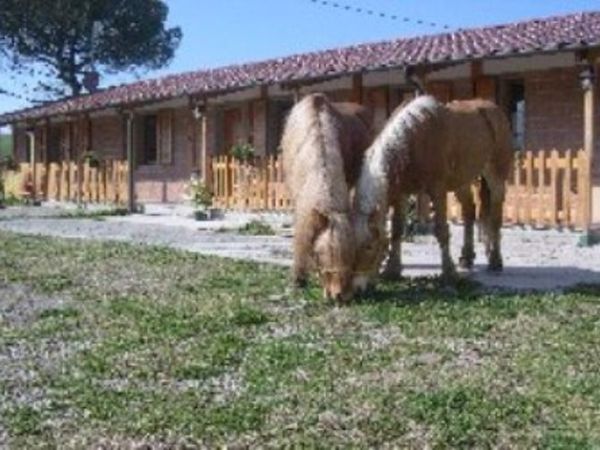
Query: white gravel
{"type": "Point", "coordinates": [533, 259]}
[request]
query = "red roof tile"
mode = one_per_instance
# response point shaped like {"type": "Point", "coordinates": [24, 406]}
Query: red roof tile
{"type": "Point", "coordinates": [535, 36]}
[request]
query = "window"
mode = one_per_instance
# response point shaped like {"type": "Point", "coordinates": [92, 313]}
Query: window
{"type": "Point", "coordinates": [278, 112]}
{"type": "Point", "coordinates": [516, 112]}
{"type": "Point", "coordinates": [54, 145]}
{"type": "Point", "coordinates": [149, 141]}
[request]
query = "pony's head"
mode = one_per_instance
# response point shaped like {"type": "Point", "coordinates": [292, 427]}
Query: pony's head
{"type": "Point", "coordinates": [334, 252]}
{"type": "Point", "coordinates": [371, 243]}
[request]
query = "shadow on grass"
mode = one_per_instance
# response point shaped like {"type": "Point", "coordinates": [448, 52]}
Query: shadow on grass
{"type": "Point", "coordinates": [517, 282]}
{"type": "Point", "coordinates": [413, 291]}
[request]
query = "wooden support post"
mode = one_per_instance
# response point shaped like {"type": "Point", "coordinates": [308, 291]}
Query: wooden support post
{"type": "Point", "coordinates": [200, 113]}
{"type": "Point", "coordinates": [130, 164]}
{"type": "Point", "coordinates": [33, 162]}
{"type": "Point", "coordinates": [588, 82]}
{"type": "Point", "coordinates": [204, 156]}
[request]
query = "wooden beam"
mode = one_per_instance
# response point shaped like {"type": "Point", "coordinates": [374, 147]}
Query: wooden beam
{"type": "Point", "coordinates": [476, 74]}
{"type": "Point", "coordinates": [357, 95]}
{"type": "Point", "coordinates": [293, 85]}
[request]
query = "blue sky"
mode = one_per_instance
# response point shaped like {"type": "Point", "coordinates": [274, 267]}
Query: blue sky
{"type": "Point", "coordinates": [221, 32]}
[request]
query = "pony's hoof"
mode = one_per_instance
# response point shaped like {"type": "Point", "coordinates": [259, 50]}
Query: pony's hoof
{"type": "Point", "coordinates": [465, 263]}
{"type": "Point", "coordinates": [495, 267]}
{"type": "Point", "coordinates": [300, 283]}
{"type": "Point", "coordinates": [449, 277]}
{"type": "Point", "coordinates": [391, 274]}
{"type": "Point", "coordinates": [449, 290]}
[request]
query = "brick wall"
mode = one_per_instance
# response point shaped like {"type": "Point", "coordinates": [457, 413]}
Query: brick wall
{"type": "Point", "coordinates": [554, 110]}
{"type": "Point", "coordinates": [166, 182]}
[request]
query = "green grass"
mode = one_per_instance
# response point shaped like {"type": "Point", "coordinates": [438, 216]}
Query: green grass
{"type": "Point", "coordinates": [5, 145]}
{"type": "Point", "coordinates": [157, 346]}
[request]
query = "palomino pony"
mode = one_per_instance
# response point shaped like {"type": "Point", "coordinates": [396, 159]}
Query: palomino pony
{"type": "Point", "coordinates": [323, 145]}
{"type": "Point", "coordinates": [433, 148]}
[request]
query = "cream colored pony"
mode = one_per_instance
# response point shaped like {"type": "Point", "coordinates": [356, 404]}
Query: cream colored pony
{"type": "Point", "coordinates": [323, 144]}
{"type": "Point", "coordinates": [433, 148]}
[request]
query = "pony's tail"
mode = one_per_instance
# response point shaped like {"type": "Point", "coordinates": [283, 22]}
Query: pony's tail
{"type": "Point", "coordinates": [500, 129]}
{"type": "Point", "coordinates": [485, 211]}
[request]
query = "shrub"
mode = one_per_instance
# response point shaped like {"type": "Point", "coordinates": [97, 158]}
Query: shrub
{"type": "Point", "coordinates": [199, 194]}
{"type": "Point", "coordinates": [242, 152]}
{"type": "Point", "coordinates": [256, 228]}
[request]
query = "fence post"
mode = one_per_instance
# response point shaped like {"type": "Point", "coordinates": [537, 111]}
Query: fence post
{"type": "Point", "coordinates": [267, 165]}
{"type": "Point", "coordinates": [566, 188]}
{"type": "Point", "coordinates": [226, 181]}
{"type": "Point", "coordinates": [554, 161]}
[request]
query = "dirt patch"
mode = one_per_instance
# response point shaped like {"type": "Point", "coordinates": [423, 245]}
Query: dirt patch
{"type": "Point", "coordinates": [20, 305]}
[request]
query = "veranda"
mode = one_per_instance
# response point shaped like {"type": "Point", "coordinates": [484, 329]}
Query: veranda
{"type": "Point", "coordinates": [547, 188]}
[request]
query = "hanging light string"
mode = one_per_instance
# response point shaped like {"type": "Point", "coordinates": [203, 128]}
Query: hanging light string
{"type": "Point", "coordinates": [381, 14]}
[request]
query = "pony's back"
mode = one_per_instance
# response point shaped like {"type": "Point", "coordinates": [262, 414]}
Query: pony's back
{"type": "Point", "coordinates": [312, 155]}
{"type": "Point", "coordinates": [481, 124]}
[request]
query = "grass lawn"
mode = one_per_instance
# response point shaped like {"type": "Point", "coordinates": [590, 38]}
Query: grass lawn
{"type": "Point", "coordinates": [5, 145]}
{"type": "Point", "coordinates": [122, 345]}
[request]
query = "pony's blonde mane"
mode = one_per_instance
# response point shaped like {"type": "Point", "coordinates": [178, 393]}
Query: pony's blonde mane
{"type": "Point", "coordinates": [389, 149]}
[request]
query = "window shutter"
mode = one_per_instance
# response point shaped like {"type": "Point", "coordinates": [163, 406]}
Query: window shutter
{"type": "Point", "coordinates": [165, 137]}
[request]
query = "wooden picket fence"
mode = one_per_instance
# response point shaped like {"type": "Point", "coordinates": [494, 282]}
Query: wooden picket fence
{"type": "Point", "coordinates": [545, 189]}
{"type": "Point", "coordinates": [69, 181]}
{"type": "Point", "coordinates": [249, 186]}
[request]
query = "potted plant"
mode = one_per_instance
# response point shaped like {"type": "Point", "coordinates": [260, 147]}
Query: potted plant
{"type": "Point", "coordinates": [243, 152]}
{"type": "Point", "coordinates": [91, 158]}
{"type": "Point", "coordinates": [201, 197]}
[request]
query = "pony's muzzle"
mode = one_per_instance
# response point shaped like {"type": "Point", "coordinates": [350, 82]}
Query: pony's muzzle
{"type": "Point", "coordinates": [338, 297]}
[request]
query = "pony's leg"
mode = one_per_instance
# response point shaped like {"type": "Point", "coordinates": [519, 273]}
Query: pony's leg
{"type": "Point", "coordinates": [493, 221]}
{"type": "Point", "coordinates": [442, 233]}
{"type": "Point", "coordinates": [465, 198]}
{"type": "Point", "coordinates": [301, 264]}
{"type": "Point", "coordinates": [305, 229]}
{"type": "Point", "coordinates": [393, 266]}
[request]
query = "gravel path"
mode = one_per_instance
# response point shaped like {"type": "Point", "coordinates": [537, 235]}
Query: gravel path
{"type": "Point", "coordinates": [533, 259]}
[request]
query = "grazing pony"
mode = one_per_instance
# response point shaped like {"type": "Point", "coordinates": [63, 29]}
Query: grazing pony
{"type": "Point", "coordinates": [323, 145]}
{"type": "Point", "coordinates": [430, 147]}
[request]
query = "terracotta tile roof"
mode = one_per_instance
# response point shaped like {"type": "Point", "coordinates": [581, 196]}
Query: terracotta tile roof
{"type": "Point", "coordinates": [535, 36]}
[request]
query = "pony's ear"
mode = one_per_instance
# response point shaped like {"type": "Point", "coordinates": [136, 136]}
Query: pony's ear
{"type": "Point", "coordinates": [320, 220]}
{"type": "Point", "coordinates": [319, 223]}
